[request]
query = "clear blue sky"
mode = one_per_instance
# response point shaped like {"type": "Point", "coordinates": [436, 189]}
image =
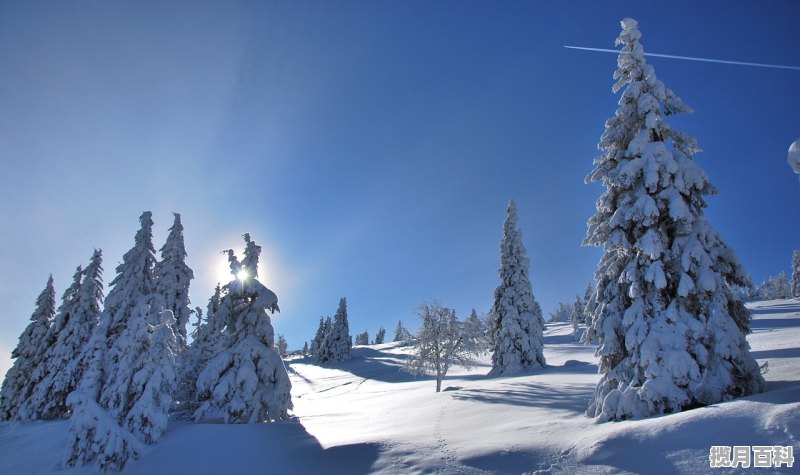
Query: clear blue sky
{"type": "Point", "coordinates": [369, 147]}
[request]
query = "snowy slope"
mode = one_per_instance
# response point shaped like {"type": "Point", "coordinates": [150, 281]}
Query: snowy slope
{"type": "Point", "coordinates": [366, 416]}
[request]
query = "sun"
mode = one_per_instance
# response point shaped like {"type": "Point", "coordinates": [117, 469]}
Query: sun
{"type": "Point", "coordinates": [242, 275]}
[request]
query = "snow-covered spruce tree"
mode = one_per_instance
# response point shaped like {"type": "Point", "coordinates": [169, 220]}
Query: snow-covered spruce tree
{"type": "Point", "coordinates": [380, 336]}
{"type": "Point", "coordinates": [337, 341]}
{"type": "Point", "coordinates": [246, 382]}
{"type": "Point", "coordinates": [671, 332]}
{"type": "Point", "coordinates": [305, 349]}
{"type": "Point", "coordinates": [401, 333]}
{"type": "Point", "coordinates": [282, 346]}
{"type": "Point", "coordinates": [122, 370]}
{"type": "Point", "coordinates": [517, 317]}
{"type": "Point", "coordinates": [28, 355]}
{"type": "Point", "coordinates": [362, 338]}
{"type": "Point", "coordinates": [783, 291]}
{"type": "Point", "coordinates": [796, 274]}
{"type": "Point", "coordinates": [319, 337]}
{"type": "Point", "coordinates": [173, 277]}
{"type": "Point", "coordinates": [474, 330]}
{"type": "Point", "coordinates": [323, 352]}
{"type": "Point", "coordinates": [154, 378]}
{"type": "Point", "coordinates": [440, 343]}
{"type": "Point", "coordinates": [68, 337]}
{"type": "Point", "coordinates": [207, 340]}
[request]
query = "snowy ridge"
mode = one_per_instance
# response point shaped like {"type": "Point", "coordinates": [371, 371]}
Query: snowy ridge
{"type": "Point", "coordinates": [367, 416]}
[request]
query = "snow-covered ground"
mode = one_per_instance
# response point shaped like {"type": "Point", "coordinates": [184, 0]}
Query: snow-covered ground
{"type": "Point", "coordinates": [366, 416]}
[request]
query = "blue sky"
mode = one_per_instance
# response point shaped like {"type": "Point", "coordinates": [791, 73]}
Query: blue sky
{"type": "Point", "coordinates": [369, 147]}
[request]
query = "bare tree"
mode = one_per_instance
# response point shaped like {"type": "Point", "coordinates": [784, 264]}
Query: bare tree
{"type": "Point", "coordinates": [440, 343]}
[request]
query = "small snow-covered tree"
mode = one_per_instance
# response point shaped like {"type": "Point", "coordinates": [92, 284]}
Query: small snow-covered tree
{"type": "Point", "coordinates": [337, 341]}
{"type": "Point", "coordinates": [28, 355]}
{"type": "Point", "coordinates": [561, 314]}
{"type": "Point", "coordinates": [282, 346]}
{"type": "Point", "coordinates": [319, 337]}
{"type": "Point", "coordinates": [67, 340]}
{"type": "Point", "coordinates": [362, 338]}
{"type": "Point", "coordinates": [305, 349]}
{"type": "Point", "coordinates": [245, 382]}
{"type": "Point", "coordinates": [401, 333]}
{"type": "Point", "coordinates": [475, 332]}
{"type": "Point", "coordinates": [796, 274]}
{"type": "Point", "coordinates": [96, 436]}
{"type": "Point", "coordinates": [380, 336]}
{"type": "Point", "coordinates": [782, 287]}
{"type": "Point", "coordinates": [173, 277]}
{"type": "Point", "coordinates": [323, 352]}
{"type": "Point", "coordinates": [440, 343]}
{"type": "Point", "coordinates": [774, 288]}
{"type": "Point", "coordinates": [517, 317]}
{"type": "Point", "coordinates": [671, 332]}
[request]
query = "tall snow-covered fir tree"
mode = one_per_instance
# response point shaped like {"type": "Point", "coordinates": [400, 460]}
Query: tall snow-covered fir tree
{"type": "Point", "coordinates": [671, 332]}
{"type": "Point", "coordinates": [516, 316]}
{"type": "Point", "coordinates": [28, 355]}
{"type": "Point", "coordinates": [68, 337]}
{"type": "Point", "coordinates": [208, 340]}
{"type": "Point", "coordinates": [125, 363]}
{"type": "Point", "coordinates": [337, 342]}
{"type": "Point", "coordinates": [796, 274]}
{"type": "Point", "coordinates": [245, 382]}
{"type": "Point", "coordinates": [319, 337]}
{"type": "Point", "coordinates": [173, 277]}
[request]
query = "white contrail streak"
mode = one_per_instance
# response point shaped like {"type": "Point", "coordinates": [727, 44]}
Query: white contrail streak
{"type": "Point", "coordinates": [690, 58]}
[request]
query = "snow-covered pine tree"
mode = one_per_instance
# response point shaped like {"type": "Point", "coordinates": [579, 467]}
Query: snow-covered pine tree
{"type": "Point", "coordinates": [28, 356]}
{"type": "Point", "coordinates": [282, 346]}
{"type": "Point", "coordinates": [796, 274]}
{"type": "Point", "coordinates": [305, 349]}
{"type": "Point", "coordinates": [153, 380]}
{"type": "Point", "coordinates": [380, 336]}
{"type": "Point", "coordinates": [783, 291]}
{"type": "Point", "coordinates": [173, 277]}
{"type": "Point", "coordinates": [246, 381]}
{"type": "Point", "coordinates": [116, 385]}
{"type": "Point", "coordinates": [323, 352]}
{"type": "Point", "coordinates": [671, 332]}
{"type": "Point", "coordinates": [68, 337]}
{"type": "Point", "coordinates": [207, 341]}
{"type": "Point", "coordinates": [401, 333]}
{"type": "Point", "coordinates": [362, 338]}
{"type": "Point", "coordinates": [517, 317]}
{"type": "Point", "coordinates": [337, 341]}
{"type": "Point", "coordinates": [440, 343]}
{"type": "Point", "coordinates": [474, 330]}
{"type": "Point", "coordinates": [319, 337]}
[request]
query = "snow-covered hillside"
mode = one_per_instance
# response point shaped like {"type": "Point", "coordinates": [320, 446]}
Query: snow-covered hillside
{"type": "Point", "coordinates": [366, 416]}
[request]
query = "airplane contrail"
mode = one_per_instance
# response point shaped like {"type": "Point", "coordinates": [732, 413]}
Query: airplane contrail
{"type": "Point", "coordinates": [690, 58]}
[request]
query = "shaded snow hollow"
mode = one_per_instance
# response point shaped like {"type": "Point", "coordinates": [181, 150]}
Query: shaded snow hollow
{"type": "Point", "coordinates": [365, 416]}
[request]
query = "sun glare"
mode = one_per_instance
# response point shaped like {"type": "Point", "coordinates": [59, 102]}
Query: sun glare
{"type": "Point", "coordinates": [242, 275]}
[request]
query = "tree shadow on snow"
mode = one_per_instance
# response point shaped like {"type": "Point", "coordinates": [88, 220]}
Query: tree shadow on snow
{"type": "Point", "coordinates": [572, 398]}
{"type": "Point", "coordinates": [279, 447]}
{"type": "Point", "coordinates": [771, 323]}
{"type": "Point", "coordinates": [777, 353]}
